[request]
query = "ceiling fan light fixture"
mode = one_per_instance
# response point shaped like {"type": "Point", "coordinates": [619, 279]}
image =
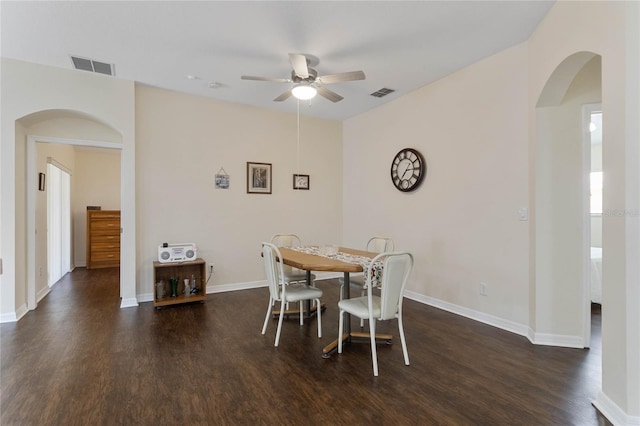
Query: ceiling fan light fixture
{"type": "Point", "coordinates": [304, 91]}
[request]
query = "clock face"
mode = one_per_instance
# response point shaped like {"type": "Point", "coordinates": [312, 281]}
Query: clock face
{"type": "Point", "coordinates": [408, 169]}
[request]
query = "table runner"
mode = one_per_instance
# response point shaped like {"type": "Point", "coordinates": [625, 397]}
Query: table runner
{"type": "Point", "coordinates": [364, 261]}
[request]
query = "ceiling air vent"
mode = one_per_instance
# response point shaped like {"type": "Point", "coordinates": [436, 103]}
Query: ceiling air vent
{"type": "Point", "coordinates": [85, 64]}
{"type": "Point", "coordinates": [382, 92]}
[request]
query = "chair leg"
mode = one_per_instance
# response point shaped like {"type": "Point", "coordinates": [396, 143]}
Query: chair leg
{"type": "Point", "coordinates": [340, 325]}
{"type": "Point", "coordinates": [282, 304]}
{"type": "Point", "coordinates": [374, 353]}
{"type": "Point", "coordinates": [301, 312]}
{"type": "Point", "coordinates": [266, 320]}
{"type": "Point", "coordinates": [405, 352]}
{"type": "Point", "coordinates": [362, 294]}
{"type": "Point", "coordinates": [319, 311]}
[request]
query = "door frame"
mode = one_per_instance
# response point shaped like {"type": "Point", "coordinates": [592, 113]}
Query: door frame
{"type": "Point", "coordinates": [32, 184]}
{"type": "Point", "coordinates": [587, 110]}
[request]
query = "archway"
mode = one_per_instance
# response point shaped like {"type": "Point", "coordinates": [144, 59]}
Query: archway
{"type": "Point", "coordinates": [57, 127]}
{"type": "Point", "coordinates": [561, 237]}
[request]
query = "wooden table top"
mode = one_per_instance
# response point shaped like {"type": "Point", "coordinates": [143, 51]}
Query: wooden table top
{"type": "Point", "coordinates": [312, 262]}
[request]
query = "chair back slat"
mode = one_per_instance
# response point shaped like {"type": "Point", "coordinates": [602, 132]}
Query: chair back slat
{"type": "Point", "coordinates": [395, 275]}
{"type": "Point", "coordinates": [273, 268]}
{"type": "Point", "coordinates": [380, 245]}
{"type": "Point", "coordinates": [286, 240]}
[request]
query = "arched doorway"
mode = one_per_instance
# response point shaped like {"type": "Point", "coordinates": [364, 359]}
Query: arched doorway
{"type": "Point", "coordinates": [62, 127]}
{"type": "Point", "coordinates": [561, 240]}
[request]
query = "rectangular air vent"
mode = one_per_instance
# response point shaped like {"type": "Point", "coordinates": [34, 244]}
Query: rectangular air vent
{"type": "Point", "coordinates": [85, 64]}
{"type": "Point", "coordinates": [382, 92]}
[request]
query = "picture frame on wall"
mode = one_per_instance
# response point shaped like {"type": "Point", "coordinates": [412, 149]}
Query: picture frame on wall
{"type": "Point", "coordinates": [222, 179]}
{"type": "Point", "coordinates": [300, 181]}
{"type": "Point", "coordinates": [41, 181]}
{"type": "Point", "coordinates": [258, 178]}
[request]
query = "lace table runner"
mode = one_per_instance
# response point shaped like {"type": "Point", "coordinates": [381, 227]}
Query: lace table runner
{"type": "Point", "coordinates": [364, 261]}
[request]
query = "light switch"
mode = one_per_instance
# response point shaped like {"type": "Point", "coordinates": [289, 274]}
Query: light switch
{"type": "Point", "coordinates": [523, 213]}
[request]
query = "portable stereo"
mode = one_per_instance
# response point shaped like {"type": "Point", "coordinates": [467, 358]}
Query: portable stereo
{"type": "Point", "coordinates": [168, 253]}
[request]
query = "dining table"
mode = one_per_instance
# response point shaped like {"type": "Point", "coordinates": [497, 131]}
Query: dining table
{"type": "Point", "coordinates": [332, 259]}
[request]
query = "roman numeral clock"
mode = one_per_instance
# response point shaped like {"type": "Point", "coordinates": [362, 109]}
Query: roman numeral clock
{"type": "Point", "coordinates": [408, 169]}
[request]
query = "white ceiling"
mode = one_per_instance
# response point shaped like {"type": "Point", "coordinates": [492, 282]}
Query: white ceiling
{"type": "Point", "coordinates": [401, 45]}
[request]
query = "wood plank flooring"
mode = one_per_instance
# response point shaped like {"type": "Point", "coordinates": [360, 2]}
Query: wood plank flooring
{"type": "Point", "coordinates": [81, 360]}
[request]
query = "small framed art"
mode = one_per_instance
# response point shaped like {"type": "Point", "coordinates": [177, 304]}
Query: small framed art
{"type": "Point", "coordinates": [41, 178]}
{"type": "Point", "coordinates": [222, 179]}
{"type": "Point", "coordinates": [258, 178]}
{"type": "Point", "coordinates": [300, 181]}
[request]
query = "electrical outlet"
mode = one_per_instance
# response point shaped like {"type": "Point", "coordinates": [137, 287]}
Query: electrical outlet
{"type": "Point", "coordinates": [484, 289]}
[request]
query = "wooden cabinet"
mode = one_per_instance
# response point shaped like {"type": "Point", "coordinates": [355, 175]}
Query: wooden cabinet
{"type": "Point", "coordinates": [164, 272]}
{"type": "Point", "coordinates": [103, 239]}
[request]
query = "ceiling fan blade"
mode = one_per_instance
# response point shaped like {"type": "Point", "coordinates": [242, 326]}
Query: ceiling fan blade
{"type": "Point", "coordinates": [344, 76]}
{"type": "Point", "coordinates": [277, 80]}
{"type": "Point", "coordinates": [299, 64]}
{"type": "Point", "coordinates": [283, 96]}
{"type": "Point", "coordinates": [326, 93]}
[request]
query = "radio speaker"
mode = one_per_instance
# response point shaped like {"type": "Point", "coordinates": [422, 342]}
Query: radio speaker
{"type": "Point", "coordinates": [168, 253]}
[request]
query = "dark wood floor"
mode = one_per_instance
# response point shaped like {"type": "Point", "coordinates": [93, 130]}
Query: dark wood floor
{"type": "Point", "coordinates": [80, 359]}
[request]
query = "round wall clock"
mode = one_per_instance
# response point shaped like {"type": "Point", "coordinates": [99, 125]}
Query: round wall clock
{"type": "Point", "coordinates": [408, 169]}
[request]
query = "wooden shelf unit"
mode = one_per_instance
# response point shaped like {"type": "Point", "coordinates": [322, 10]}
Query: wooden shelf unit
{"type": "Point", "coordinates": [180, 270]}
{"type": "Point", "coordinates": [103, 239]}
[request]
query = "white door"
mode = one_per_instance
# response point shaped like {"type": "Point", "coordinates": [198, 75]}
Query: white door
{"type": "Point", "coordinates": [58, 223]}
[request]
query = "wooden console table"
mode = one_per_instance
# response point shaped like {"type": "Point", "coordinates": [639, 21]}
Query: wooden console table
{"type": "Point", "coordinates": [179, 270]}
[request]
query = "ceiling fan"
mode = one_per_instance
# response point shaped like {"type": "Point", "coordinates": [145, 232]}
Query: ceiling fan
{"type": "Point", "coordinates": [307, 82]}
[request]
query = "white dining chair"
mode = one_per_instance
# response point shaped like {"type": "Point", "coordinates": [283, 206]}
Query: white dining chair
{"type": "Point", "coordinates": [283, 292]}
{"type": "Point", "coordinates": [374, 245]}
{"type": "Point", "coordinates": [291, 274]}
{"type": "Point", "coordinates": [396, 267]}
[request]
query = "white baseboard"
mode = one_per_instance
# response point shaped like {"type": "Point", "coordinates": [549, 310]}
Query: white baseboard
{"type": "Point", "coordinates": [513, 327]}
{"type": "Point", "coordinates": [10, 317]}
{"type": "Point", "coordinates": [128, 302]}
{"type": "Point", "coordinates": [613, 412]}
{"type": "Point", "coordinates": [223, 288]}
{"type": "Point", "coordinates": [560, 340]}
{"type": "Point", "coordinates": [14, 316]}
{"type": "Point", "coordinates": [494, 321]}
{"type": "Point", "coordinates": [42, 293]}
{"type": "Point", "coordinates": [234, 287]}
{"type": "Point", "coordinates": [148, 297]}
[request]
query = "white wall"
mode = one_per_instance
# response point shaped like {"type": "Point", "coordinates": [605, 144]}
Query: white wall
{"type": "Point", "coordinates": [182, 141]}
{"type": "Point", "coordinates": [559, 208]}
{"type": "Point", "coordinates": [462, 224]}
{"type": "Point", "coordinates": [477, 131]}
{"type": "Point", "coordinates": [609, 29]}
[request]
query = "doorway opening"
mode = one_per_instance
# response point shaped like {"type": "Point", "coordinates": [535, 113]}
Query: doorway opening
{"type": "Point", "coordinates": [592, 194]}
{"type": "Point", "coordinates": [58, 221]}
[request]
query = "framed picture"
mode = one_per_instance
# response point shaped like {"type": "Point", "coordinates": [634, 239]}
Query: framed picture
{"type": "Point", "coordinates": [300, 181]}
{"type": "Point", "coordinates": [258, 178]}
{"type": "Point", "coordinates": [222, 179]}
{"type": "Point", "coordinates": [41, 178]}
